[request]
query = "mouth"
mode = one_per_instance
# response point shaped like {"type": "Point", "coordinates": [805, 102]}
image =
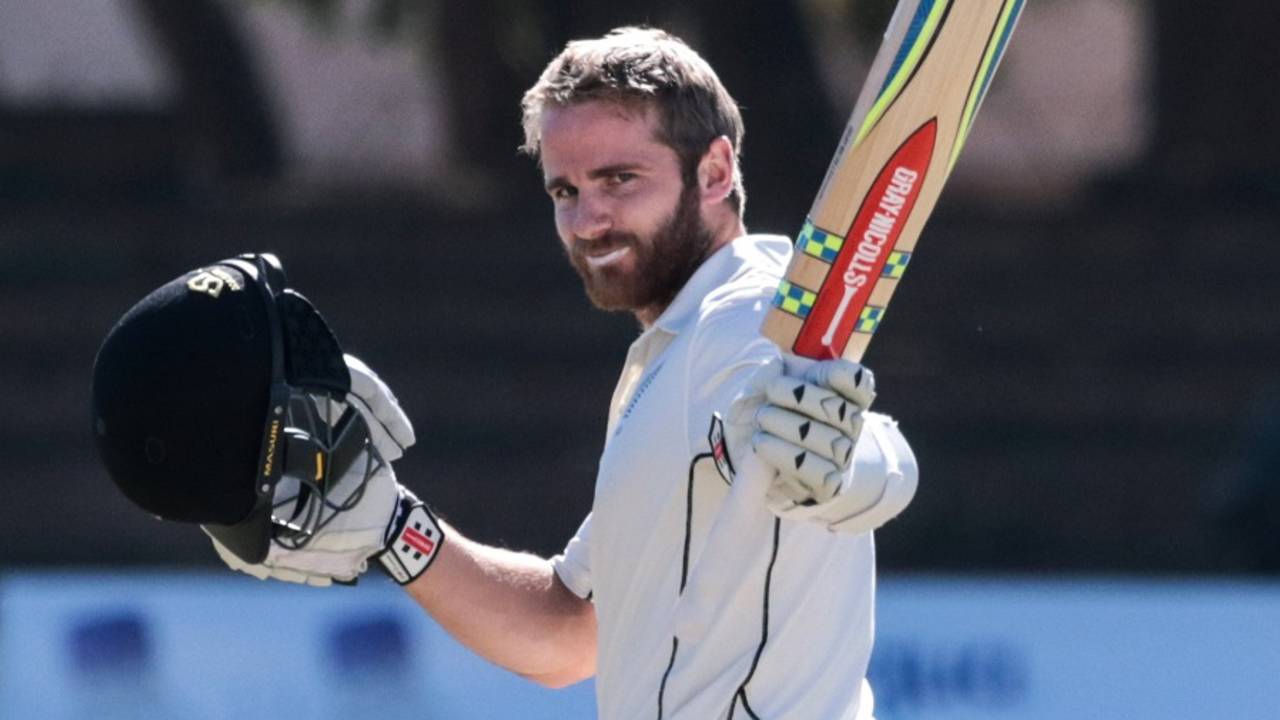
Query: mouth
{"type": "Point", "coordinates": [608, 258]}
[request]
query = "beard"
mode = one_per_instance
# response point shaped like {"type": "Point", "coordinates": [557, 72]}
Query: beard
{"type": "Point", "coordinates": [660, 266]}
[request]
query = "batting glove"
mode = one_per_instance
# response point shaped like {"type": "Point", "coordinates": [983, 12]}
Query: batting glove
{"type": "Point", "coordinates": [389, 428]}
{"type": "Point", "coordinates": [808, 425]}
{"type": "Point", "coordinates": [362, 519]}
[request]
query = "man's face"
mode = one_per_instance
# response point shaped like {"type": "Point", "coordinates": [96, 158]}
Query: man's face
{"type": "Point", "coordinates": [630, 227]}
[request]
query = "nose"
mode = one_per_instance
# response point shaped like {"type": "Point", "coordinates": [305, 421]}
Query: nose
{"type": "Point", "coordinates": [590, 219]}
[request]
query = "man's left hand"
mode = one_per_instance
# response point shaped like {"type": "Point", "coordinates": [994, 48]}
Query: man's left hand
{"type": "Point", "coordinates": [808, 427]}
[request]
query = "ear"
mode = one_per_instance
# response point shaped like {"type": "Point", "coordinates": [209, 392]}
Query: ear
{"type": "Point", "coordinates": [716, 171]}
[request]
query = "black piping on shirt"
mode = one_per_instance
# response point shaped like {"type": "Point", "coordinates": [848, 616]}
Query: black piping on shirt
{"type": "Point", "coordinates": [764, 629]}
{"type": "Point", "coordinates": [741, 694]}
{"type": "Point", "coordinates": [684, 566]}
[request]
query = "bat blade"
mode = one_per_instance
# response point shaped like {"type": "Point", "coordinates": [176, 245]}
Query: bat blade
{"type": "Point", "coordinates": [911, 120]}
{"type": "Point", "coordinates": [907, 128]}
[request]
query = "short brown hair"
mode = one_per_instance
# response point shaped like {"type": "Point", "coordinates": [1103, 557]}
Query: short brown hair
{"type": "Point", "coordinates": [643, 67]}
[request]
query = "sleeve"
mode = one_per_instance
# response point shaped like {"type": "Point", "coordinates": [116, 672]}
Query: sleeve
{"type": "Point", "coordinates": [573, 566]}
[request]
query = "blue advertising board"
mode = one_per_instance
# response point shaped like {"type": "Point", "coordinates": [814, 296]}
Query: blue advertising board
{"type": "Point", "coordinates": [176, 645]}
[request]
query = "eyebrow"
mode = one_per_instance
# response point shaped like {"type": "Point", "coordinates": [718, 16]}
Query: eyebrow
{"type": "Point", "coordinates": [559, 181]}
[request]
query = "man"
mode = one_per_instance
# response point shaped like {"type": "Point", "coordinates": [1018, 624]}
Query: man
{"type": "Point", "coordinates": [677, 609]}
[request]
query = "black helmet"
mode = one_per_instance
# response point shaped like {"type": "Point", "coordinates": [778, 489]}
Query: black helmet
{"type": "Point", "coordinates": [212, 388]}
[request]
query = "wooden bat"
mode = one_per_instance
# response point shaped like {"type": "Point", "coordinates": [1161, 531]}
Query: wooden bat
{"type": "Point", "coordinates": [910, 121]}
{"type": "Point", "coordinates": [908, 126]}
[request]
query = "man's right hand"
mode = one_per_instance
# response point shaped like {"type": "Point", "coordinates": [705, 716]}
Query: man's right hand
{"type": "Point", "coordinates": [382, 519]}
{"type": "Point", "coordinates": [389, 428]}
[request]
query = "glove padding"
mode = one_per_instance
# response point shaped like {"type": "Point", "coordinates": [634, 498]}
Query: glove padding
{"type": "Point", "coordinates": [808, 426]}
{"type": "Point", "coordinates": [340, 549]}
{"type": "Point", "coordinates": [807, 423]}
{"type": "Point", "coordinates": [389, 428]}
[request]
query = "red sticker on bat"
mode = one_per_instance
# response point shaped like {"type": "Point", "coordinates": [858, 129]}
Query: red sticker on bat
{"type": "Point", "coordinates": [867, 245]}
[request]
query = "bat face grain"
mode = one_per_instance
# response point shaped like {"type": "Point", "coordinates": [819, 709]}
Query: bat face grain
{"type": "Point", "coordinates": [906, 132]}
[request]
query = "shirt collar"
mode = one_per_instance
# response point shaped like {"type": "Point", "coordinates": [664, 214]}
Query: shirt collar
{"type": "Point", "coordinates": [712, 273]}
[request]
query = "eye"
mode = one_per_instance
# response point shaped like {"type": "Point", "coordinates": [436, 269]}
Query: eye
{"type": "Point", "coordinates": [560, 193]}
{"type": "Point", "coordinates": [620, 178]}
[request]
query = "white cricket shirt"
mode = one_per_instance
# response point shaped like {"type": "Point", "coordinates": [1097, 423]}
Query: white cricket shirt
{"type": "Point", "coordinates": [792, 634]}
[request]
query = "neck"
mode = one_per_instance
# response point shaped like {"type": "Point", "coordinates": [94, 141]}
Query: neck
{"type": "Point", "coordinates": [730, 228]}
{"type": "Point", "coordinates": [647, 316]}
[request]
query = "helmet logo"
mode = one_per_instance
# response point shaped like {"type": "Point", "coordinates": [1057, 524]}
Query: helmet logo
{"type": "Point", "coordinates": [273, 436]}
{"type": "Point", "coordinates": [212, 281]}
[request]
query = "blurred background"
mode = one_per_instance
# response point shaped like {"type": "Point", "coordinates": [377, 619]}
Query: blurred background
{"type": "Point", "coordinates": [1084, 356]}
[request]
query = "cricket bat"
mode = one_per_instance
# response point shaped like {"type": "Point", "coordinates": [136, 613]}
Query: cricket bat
{"type": "Point", "coordinates": [907, 129]}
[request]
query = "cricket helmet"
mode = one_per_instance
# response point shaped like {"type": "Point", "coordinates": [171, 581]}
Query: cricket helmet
{"type": "Point", "coordinates": [213, 389]}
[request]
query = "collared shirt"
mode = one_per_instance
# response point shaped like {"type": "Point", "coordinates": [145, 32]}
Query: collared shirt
{"type": "Point", "coordinates": [792, 632]}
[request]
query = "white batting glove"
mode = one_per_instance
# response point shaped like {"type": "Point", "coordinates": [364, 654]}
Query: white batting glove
{"type": "Point", "coordinates": [340, 550]}
{"type": "Point", "coordinates": [389, 427]}
{"type": "Point", "coordinates": [807, 429]}
{"type": "Point", "coordinates": [384, 520]}
{"type": "Point", "coordinates": [808, 425]}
